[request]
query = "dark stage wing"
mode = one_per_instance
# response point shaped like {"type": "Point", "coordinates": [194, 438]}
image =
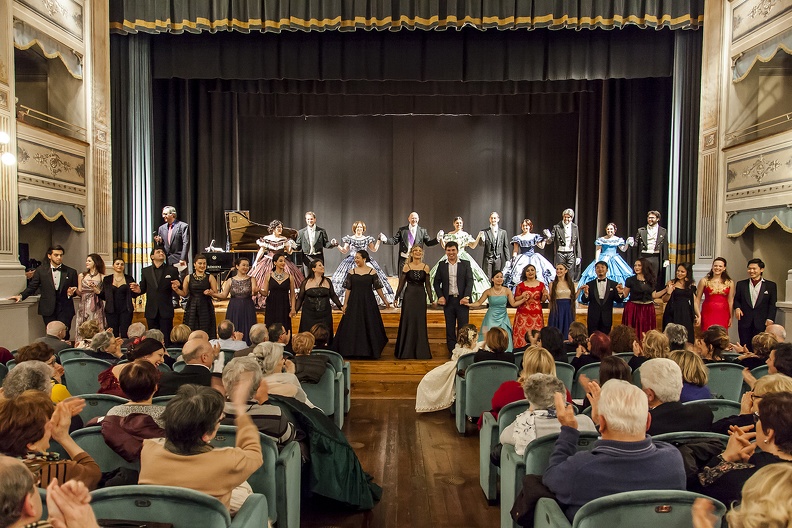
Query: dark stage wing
{"type": "Point", "coordinates": [243, 234]}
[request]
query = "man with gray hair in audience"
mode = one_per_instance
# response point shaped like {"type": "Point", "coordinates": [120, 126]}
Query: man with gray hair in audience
{"type": "Point", "coordinates": [198, 356]}
{"type": "Point", "coordinates": [228, 337]}
{"type": "Point", "coordinates": [677, 336]}
{"type": "Point", "coordinates": [778, 331]}
{"type": "Point", "coordinates": [269, 419]}
{"type": "Point", "coordinates": [624, 459]}
{"type": "Point", "coordinates": [135, 331]}
{"type": "Point", "coordinates": [661, 380]}
{"type": "Point", "coordinates": [56, 332]}
{"type": "Point", "coordinates": [258, 334]}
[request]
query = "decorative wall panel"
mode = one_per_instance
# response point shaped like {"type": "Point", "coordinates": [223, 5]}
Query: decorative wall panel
{"type": "Point", "coordinates": [708, 205]}
{"type": "Point", "coordinates": [50, 163]}
{"type": "Point", "coordinates": [66, 14]}
{"type": "Point", "coordinates": [752, 14]}
{"type": "Point", "coordinates": [769, 167]}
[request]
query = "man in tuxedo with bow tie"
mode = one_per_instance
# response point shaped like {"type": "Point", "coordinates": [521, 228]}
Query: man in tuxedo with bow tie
{"type": "Point", "coordinates": [408, 236]}
{"type": "Point", "coordinates": [312, 240]}
{"type": "Point", "coordinates": [496, 246]}
{"type": "Point", "coordinates": [652, 241]}
{"type": "Point", "coordinates": [601, 294]}
{"type": "Point", "coordinates": [566, 239]}
{"type": "Point", "coordinates": [754, 303]}
{"type": "Point", "coordinates": [56, 284]}
{"type": "Point", "coordinates": [453, 284]}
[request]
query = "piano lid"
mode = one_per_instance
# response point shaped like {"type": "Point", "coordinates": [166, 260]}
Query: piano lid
{"type": "Point", "coordinates": [243, 234]}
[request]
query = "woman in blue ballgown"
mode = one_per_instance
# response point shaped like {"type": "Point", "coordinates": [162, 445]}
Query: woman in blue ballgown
{"type": "Point", "coordinates": [607, 251]}
{"type": "Point", "coordinates": [524, 253]}
{"type": "Point", "coordinates": [351, 245]}
{"type": "Point", "coordinates": [500, 297]}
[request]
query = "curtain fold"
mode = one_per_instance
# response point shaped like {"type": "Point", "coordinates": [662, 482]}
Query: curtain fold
{"type": "Point", "coordinates": [245, 16]}
{"type": "Point", "coordinates": [27, 36]}
{"type": "Point", "coordinates": [763, 52]}
{"type": "Point", "coordinates": [740, 221]}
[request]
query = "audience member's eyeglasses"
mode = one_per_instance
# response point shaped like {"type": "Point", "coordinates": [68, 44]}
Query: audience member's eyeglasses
{"type": "Point", "coordinates": [222, 417]}
{"type": "Point", "coordinates": [756, 417]}
{"type": "Point", "coordinates": [755, 396]}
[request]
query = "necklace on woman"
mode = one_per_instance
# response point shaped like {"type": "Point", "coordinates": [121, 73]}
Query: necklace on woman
{"type": "Point", "coordinates": [279, 276]}
{"type": "Point", "coordinates": [497, 290]}
{"type": "Point", "coordinates": [199, 277]}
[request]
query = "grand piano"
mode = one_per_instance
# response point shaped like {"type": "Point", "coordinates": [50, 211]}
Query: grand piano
{"type": "Point", "coordinates": [243, 234]}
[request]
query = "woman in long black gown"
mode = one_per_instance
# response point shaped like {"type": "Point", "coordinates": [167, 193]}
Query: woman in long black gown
{"type": "Point", "coordinates": [361, 333]}
{"type": "Point", "coordinates": [679, 294]}
{"type": "Point", "coordinates": [199, 287]}
{"type": "Point", "coordinates": [279, 291]}
{"type": "Point", "coordinates": [314, 299]}
{"type": "Point", "coordinates": [412, 341]}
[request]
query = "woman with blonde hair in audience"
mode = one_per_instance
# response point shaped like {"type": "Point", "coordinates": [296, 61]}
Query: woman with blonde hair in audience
{"type": "Point", "coordinates": [85, 333]}
{"type": "Point", "coordinates": [29, 421]}
{"type": "Point", "coordinates": [148, 349]}
{"type": "Point", "coordinates": [749, 404]}
{"type": "Point", "coordinates": [307, 367]}
{"type": "Point", "coordinates": [436, 389]}
{"type": "Point", "coordinates": [654, 345]}
{"type": "Point", "coordinates": [279, 372]}
{"type": "Point", "coordinates": [39, 351]}
{"type": "Point", "coordinates": [761, 343]}
{"type": "Point", "coordinates": [179, 335]}
{"type": "Point", "coordinates": [694, 376]}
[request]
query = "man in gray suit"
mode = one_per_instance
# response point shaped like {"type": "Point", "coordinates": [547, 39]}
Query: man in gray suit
{"type": "Point", "coordinates": [174, 237]}
{"type": "Point", "coordinates": [496, 246]}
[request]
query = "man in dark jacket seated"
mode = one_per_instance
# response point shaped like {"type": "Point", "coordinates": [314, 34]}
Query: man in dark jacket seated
{"type": "Point", "coordinates": [661, 379]}
{"type": "Point", "coordinates": [625, 459]}
{"type": "Point", "coordinates": [199, 356]}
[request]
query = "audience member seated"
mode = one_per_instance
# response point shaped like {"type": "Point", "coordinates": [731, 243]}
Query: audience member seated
{"type": "Point", "coordinates": [258, 334]}
{"type": "Point", "coordinates": [539, 420]}
{"type": "Point", "coordinates": [599, 347]}
{"type": "Point", "coordinates": [654, 345]}
{"type": "Point", "coordinates": [761, 344]}
{"type": "Point", "coordinates": [578, 336]}
{"type": "Point", "coordinates": [27, 423]}
{"type": "Point", "coordinates": [269, 419]}
{"type": "Point", "coordinates": [149, 350]}
{"type": "Point", "coordinates": [186, 459]}
{"type": "Point", "coordinates": [694, 376]}
{"type": "Point", "coordinates": [135, 332]}
{"type": "Point", "coordinates": [713, 343]}
{"type": "Point", "coordinates": [5, 355]}
{"type": "Point", "coordinates": [40, 351]}
{"type": "Point", "coordinates": [677, 336]}
{"type": "Point", "coordinates": [308, 368]}
{"type": "Point", "coordinates": [778, 331]}
{"type": "Point", "coordinates": [179, 335]}
{"type": "Point", "coordinates": [30, 375]}
{"type": "Point", "coordinates": [85, 333]}
{"type": "Point", "coordinates": [436, 390]}
{"type": "Point", "coordinates": [106, 347]}
{"type": "Point", "coordinates": [725, 476]}
{"type": "Point", "coordinates": [496, 342]}
{"type": "Point", "coordinates": [623, 338]}
{"type": "Point", "coordinates": [198, 356]}
{"type": "Point", "coordinates": [321, 334]}
{"type": "Point", "coordinates": [279, 372]}
{"type": "Point", "coordinates": [68, 504]}
{"type": "Point", "coordinates": [778, 362]}
{"type": "Point", "coordinates": [276, 333]}
{"type": "Point", "coordinates": [611, 367]}
{"type": "Point", "coordinates": [661, 379]}
{"type": "Point", "coordinates": [228, 337]}
{"type": "Point", "coordinates": [624, 459]}
{"type": "Point", "coordinates": [124, 427]}
{"type": "Point", "coordinates": [749, 404]}
{"type": "Point", "coordinates": [156, 333]}
{"type": "Point", "coordinates": [56, 332]}
{"type": "Point", "coordinates": [551, 339]}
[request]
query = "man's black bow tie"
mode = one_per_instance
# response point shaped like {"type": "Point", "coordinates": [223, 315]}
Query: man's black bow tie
{"type": "Point", "coordinates": [56, 269]}
{"type": "Point", "coordinates": [601, 280]}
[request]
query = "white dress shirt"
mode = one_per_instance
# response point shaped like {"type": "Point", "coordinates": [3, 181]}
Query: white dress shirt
{"type": "Point", "coordinates": [754, 291]}
{"type": "Point", "coordinates": [567, 245]}
{"type": "Point", "coordinates": [56, 277]}
{"type": "Point", "coordinates": [651, 238]}
{"type": "Point", "coordinates": [452, 279]}
{"type": "Point", "coordinates": [311, 238]}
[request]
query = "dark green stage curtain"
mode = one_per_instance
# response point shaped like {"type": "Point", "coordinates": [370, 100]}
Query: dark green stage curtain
{"type": "Point", "coordinates": [244, 16]}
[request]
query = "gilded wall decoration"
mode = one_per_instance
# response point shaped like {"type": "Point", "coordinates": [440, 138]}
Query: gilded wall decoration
{"type": "Point", "coordinates": [3, 72]}
{"type": "Point", "coordinates": [3, 100]}
{"type": "Point", "coordinates": [67, 14]}
{"type": "Point", "coordinates": [766, 168]}
{"type": "Point", "coordinates": [751, 15]}
{"type": "Point", "coordinates": [48, 162]}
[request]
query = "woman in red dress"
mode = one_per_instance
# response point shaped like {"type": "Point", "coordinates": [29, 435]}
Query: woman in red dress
{"type": "Point", "coordinates": [715, 296]}
{"type": "Point", "coordinates": [529, 314]}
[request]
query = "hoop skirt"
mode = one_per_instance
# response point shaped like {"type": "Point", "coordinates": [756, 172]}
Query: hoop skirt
{"type": "Point", "coordinates": [412, 341]}
{"type": "Point", "coordinates": [497, 316]}
{"type": "Point", "coordinates": [199, 314]}
{"type": "Point", "coordinates": [361, 333]}
{"type": "Point", "coordinates": [264, 265]}
{"type": "Point", "coordinates": [545, 271]}
{"type": "Point", "coordinates": [618, 269]}
{"type": "Point", "coordinates": [529, 314]}
{"type": "Point", "coordinates": [679, 310]}
{"type": "Point", "coordinates": [715, 306]}
{"type": "Point", "coordinates": [339, 277]}
{"type": "Point", "coordinates": [241, 310]}
{"type": "Point", "coordinates": [436, 389]}
{"type": "Point", "coordinates": [480, 280]}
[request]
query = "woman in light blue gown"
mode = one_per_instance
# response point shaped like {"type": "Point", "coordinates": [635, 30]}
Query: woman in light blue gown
{"type": "Point", "coordinates": [500, 297]}
{"type": "Point", "coordinates": [607, 251]}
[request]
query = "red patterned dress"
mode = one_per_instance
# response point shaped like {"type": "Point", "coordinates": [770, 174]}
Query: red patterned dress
{"type": "Point", "coordinates": [529, 314]}
{"type": "Point", "coordinates": [715, 305]}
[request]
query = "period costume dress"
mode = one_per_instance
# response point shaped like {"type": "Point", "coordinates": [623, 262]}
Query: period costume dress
{"type": "Point", "coordinates": [436, 389]}
{"type": "Point", "coordinates": [715, 305]}
{"type": "Point", "coordinates": [199, 314]}
{"type": "Point", "coordinates": [480, 280]}
{"type": "Point", "coordinates": [316, 308]}
{"type": "Point", "coordinates": [545, 271]}
{"type": "Point", "coordinates": [529, 314]}
{"type": "Point", "coordinates": [361, 333]}
{"type": "Point", "coordinates": [497, 316]}
{"type": "Point", "coordinates": [263, 265]}
{"type": "Point", "coordinates": [618, 269]}
{"type": "Point", "coordinates": [679, 310]}
{"type": "Point", "coordinates": [241, 310]}
{"type": "Point", "coordinates": [412, 341]}
{"type": "Point", "coordinates": [278, 301]}
{"type": "Point", "coordinates": [339, 277]}
{"type": "Point", "coordinates": [639, 311]}
{"type": "Point", "coordinates": [90, 306]}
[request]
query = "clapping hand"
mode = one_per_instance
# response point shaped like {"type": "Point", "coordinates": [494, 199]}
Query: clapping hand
{"type": "Point", "coordinates": [68, 505]}
{"type": "Point", "coordinates": [565, 414]}
{"type": "Point", "coordinates": [593, 391]}
{"type": "Point", "coordinates": [547, 233]}
{"type": "Point", "coordinates": [382, 237]}
{"type": "Point", "coordinates": [703, 513]}
{"type": "Point", "coordinates": [739, 448]}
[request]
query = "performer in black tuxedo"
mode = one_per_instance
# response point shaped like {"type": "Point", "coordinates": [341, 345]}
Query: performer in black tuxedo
{"type": "Point", "coordinates": [157, 282]}
{"type": "Point", "coordinates": [174, 237]}
{"type": "Point", "coordinates": [453, 285]}
{"type": "Point", "coordinates": [652, 243]}
{"type": "Point", "coordinates": [566, 242]}
{"type": "Point", "coordinates": [312, 240]}
{"type": "Point", "coordinates": [496, 246]}
{"type": "Point", "coordinates": [754, 303]}
{"type": "Point", "coordinates": [407, 237]}
{"type": "Point", "coordinates": [601, 294]}
{"type": "Point", "coordinates": [56, 284]}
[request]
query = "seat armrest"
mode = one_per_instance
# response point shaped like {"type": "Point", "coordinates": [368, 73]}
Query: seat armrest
{"type": "Point", "coordinates": [288, 477]}
{"type": "Point", "coordinates": [252, 514]}
{"type": "Point", "coordinates": [548, 514]}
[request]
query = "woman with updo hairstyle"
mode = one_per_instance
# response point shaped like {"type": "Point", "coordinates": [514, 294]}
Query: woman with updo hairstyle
{"type": "Point", "coordinates": [240, 288]}
{"type": "Point", "coordinates": [713, 343]}
{"type": "Point", "coordinates": [199, 287]}
{"type": "Point", "coordinates": [578, 336]}
{"type": "Point", "coordinates": [354, 244]}
{"type": "Point", "coordinates": [436, 389]}
{"type": "Point", "coordinates": [599, 348]}
{"type": "Point", "coordinates": [279, 372]}
{"type": "Point", "coordinates": [496, 342]}
{"type": "Point", "coordinates": [85, 333]}
{"type": "Point", "coordinates": [106, 347]}
{"type": "Point", "coordinates": [148, 349]}
{"type": "Point", "coordinates": [761, 343]}
{"type": "Point", "coordinates": [274, 242]}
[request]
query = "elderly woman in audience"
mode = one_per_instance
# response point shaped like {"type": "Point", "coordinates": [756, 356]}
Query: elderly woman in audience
{"type": "Point", "coordinates": [30, 375]}
{"type": "Point", "coordinates": [623, 338]}
{"type": "Point", "coordinates": [185, 457]}
{"type": "Point", "coordinates": [106, 347]}
{"type": "Point", "coordinates": [269, 419]}
{"type": "Point", "coordinates": [134, 334]}
{"type": "Point", "coordinates": [179, 335]}
{"type": "Point", "coordinates": [762, 343]}
{"type": "Point", "coordinates": [713, 343]}
{"type": "Point", "coordinates": [124, 427]}
{"type": "Point", "coordinates": [436, 389]}
{"type": "Point", "coordinates": [148, 349]}
{"type": "Point", "coordinates": [749, 404]}
{"type": "Point", "coordinates": [28, 421]}
{"type": "Point", "coordinates": [279, 372]}
{"type": "Point", "coordinates": [694, 376]}
{"type": "Point", "coordinates": [85, 333]}
{"type": "Point", "coordinates": [598, 349]}
{"type": "Point", "coordinates": [677, 336]}
{"type": "Point", "coordinates": [539, 420]}
{"type": "Point", "coordinates": [496, 342]}
{"type": "Point", "coordinates": [661, 381]}
{"type": "Point", "coordinates": [308, 368]}
{"type": "Point", "coordinates": [39, 351]}
{"type": "Point", "coordinates": [654, 345]}
{"type": "Point", "coordinates": [725, 476]}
